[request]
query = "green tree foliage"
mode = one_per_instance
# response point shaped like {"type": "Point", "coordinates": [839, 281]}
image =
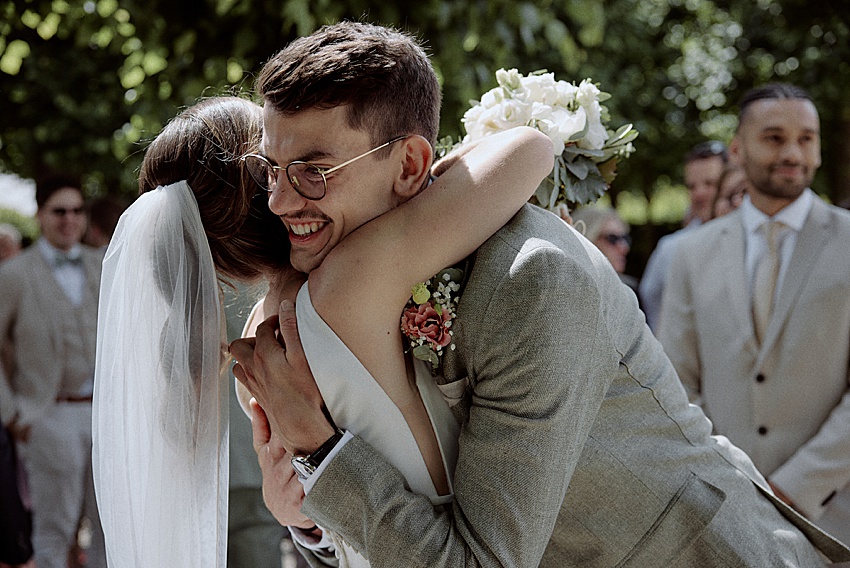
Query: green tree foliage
{"type": "Point", "coordinates": [85, 84]}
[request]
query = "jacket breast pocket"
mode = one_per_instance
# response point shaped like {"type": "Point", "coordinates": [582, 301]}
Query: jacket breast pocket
{"type": "Point", "coordinates": [456, 394]}
{"type": "Point", "coordinates": [683, 520]}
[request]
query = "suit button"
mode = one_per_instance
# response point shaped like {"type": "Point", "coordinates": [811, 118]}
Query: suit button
{"type": "Point", "coordinates": [762, 430]}
{"type": "Point", "coordinates": [760, 378]}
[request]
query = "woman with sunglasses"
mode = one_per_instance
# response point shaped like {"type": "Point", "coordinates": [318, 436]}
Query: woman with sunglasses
{"type": "Point", "coordinates": [604, 227]}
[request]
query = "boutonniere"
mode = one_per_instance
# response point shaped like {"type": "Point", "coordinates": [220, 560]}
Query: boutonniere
{"type": "Point", "coordinates": [427, 318]}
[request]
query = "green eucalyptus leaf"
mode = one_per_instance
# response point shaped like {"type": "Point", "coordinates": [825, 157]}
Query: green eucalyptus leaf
{"type": "Point", "coordinates": [454, 274]}
{"type": "Point", "coordinates": [423, 352]}
{"type": "Point", "coordinates": [581, 167]}
{"type": "Point", "coordinates": [587, 190]}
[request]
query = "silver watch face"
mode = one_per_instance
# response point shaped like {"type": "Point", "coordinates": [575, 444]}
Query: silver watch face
{"type": "Point", "coordinates": [302, 466]}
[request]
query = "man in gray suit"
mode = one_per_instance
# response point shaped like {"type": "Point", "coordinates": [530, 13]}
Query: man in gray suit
{"type": "Point", "coordinates": [775, 383]}
{"type": "Point", "coordinates": [704, 164]}
{"type": "Point", "coordinates": [49, 310]}
{"type": "Point", "coordinates": [577, 444]}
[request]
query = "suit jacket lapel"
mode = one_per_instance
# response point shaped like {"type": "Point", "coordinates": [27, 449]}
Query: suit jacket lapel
{"type": "Point", "coordinates": [732, 265]}
{"type": "Point", "coordinates": [810, 244]}
{"type": "Point", "coordinates": [48, 292]}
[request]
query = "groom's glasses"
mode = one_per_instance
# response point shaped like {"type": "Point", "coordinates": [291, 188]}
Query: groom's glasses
{"type": "Point", "coordinates": [309, 180]}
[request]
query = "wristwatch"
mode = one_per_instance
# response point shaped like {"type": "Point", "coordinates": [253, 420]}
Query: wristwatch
{"type": "Point", "coordinates": [305, 466]}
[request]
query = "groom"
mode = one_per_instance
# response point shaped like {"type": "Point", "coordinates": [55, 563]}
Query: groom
{"type": "Point", "coordinates": [577, 445]}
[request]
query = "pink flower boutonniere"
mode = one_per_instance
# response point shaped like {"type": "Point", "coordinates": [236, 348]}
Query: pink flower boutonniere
{"type": "Point", "coordinates": [427, 319]}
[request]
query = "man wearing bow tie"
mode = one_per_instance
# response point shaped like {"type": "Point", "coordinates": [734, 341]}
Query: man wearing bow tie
{"type": "Point", "coordinates": [49, 311]}
{"type": "Point", "coordinates": [756, 316]}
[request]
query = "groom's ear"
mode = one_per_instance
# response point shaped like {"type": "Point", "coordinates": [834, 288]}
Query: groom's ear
{"type": "Point", "coordinates": [416, 167]}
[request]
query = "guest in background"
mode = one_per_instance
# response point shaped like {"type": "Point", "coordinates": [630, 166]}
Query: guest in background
{"type": "Point", "coordinates": [10, 241]}
{"type": "Point", "coordinates": [50, 295]}
{"type": "Point", "coordinates": [703, 166]}
{"type": "Point", "coordinates": [731, 189]}
{"type": "Point", "coordinates": [104, 213]}
{"type": "Point", "coordinates": [604, 227]}
{"type": "Point", "coordinates": [756, 316]}
{"type": "Point", "coordinates": [10, 246]}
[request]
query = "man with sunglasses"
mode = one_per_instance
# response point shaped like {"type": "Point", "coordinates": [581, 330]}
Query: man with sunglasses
{"type": "Point", "coordinates": [49, 309]}
{"type": "Point", "coordinates": [577, 444]}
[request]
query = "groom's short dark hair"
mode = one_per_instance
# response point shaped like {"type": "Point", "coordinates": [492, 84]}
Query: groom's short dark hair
{"type": "Point", "coordinates": [770, 91]}
{"type": "Point", "coordinates": [382, 75]}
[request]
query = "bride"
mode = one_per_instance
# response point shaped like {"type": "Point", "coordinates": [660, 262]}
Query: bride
{"type": "Point", "coordinates": [160, 424]}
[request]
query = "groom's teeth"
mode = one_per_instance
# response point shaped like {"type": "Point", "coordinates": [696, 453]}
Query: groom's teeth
{"type": "Point", "coordinates": [302, 230]}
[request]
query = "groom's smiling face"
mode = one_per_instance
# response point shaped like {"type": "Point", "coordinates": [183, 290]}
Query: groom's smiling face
{"type": "Point", "coordinates": [355, 194]}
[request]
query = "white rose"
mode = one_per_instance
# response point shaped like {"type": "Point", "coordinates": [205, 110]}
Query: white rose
{"type": "Point", "coordinates": [510, 80]}
{"type": "Point", "coordinates": [492, 98]}
{"type": "Point", "coordinates": [472, 114]}
{"type": "Point", "coordinates": [568, 123]}
{"type": "Point", "coordinates": [472, 122]}
{"type": "Point", "coordinates": [512, 113]}
{"type": "Point", "coordinates": [595, 137]}
{"type": "Point", "coordinates": [587, 93]}
{"type": "Point", "coordinates": [540, 111]}
{"type": "Point", "coordinates": [541, 88]}
{"type": "Point", "coordinates": [566, 94]}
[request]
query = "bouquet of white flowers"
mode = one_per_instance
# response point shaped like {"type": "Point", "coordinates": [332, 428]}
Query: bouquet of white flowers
{"type": "Point", "coordinates": [586, 152]}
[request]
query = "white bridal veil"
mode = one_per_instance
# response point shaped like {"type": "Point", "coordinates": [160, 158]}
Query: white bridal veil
{"type": "Point", "coordinates": [160, 407]}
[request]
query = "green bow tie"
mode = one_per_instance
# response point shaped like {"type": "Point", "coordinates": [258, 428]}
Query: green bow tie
{"type": "Point", "coordinates": [62, 259]}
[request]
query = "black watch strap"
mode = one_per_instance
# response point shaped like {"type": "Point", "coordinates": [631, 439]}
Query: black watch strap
{"type": "Point", "coordinates": [304, 466]}
{"type": "Point", "coordinates": [317, 457]}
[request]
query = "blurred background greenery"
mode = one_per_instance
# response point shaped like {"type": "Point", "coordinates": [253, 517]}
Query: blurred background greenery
{"type": "Point", "coordinates": [84, 85]}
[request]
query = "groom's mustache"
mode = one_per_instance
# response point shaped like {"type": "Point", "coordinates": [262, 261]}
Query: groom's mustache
{"type": "Point", "coordinates": [307, 216]}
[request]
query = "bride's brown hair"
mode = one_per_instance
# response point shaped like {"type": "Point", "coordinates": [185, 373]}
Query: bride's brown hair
{"type": "Point", "coordinates": [203, 146]}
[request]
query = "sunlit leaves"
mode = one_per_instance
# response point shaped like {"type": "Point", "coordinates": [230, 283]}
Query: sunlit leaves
{"type": "Point", "coordinates": [106, 8]}
{"type": "Point", "coordinates": [132, 77]}
{"type": "Point", "coordinates": [47, 27]}
{"type": "Point", "coordinates": [234, 71]}
{"type": "Point", "coordinates": [30, 19]}
{"type": "Point", "coordinates": [13, 56]}
{"type": "Point", "coordinates": [86, 84]}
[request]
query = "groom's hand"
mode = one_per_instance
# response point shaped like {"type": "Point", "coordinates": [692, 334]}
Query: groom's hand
{"type": "Point", "coordinates": [282, 492]}
{"type": "Point", "coordinates": [275, 371]}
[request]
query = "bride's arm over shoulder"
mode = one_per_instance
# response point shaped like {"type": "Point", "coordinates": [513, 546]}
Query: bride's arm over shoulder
{"type": "Point", "coordinates": [479, 189]}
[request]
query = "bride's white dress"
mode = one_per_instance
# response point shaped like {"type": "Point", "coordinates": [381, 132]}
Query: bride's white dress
{"type": "Point", "coordinates": [359, 404]}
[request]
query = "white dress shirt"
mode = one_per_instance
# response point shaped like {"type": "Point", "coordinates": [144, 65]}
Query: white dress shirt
{"type": "Point", "coordinates": [792, 217]}
{"type": "Point", "coordinates": [70, 277]}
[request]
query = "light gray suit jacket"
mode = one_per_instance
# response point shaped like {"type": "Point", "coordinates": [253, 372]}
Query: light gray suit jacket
{"type": "Point", "coordinates": [578, 446]}
{"type": "Point", "coordinates": [41, 320]}
{"type": "Point", "coordinates": [786, 402]}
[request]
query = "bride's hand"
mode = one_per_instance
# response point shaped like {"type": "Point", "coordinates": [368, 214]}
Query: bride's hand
{"type": "Point", "coordinates": [276, 373]}
{"type": "Point", "coordinates": [282, 492]}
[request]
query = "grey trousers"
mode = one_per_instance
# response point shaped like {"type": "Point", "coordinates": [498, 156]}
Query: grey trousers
{"type": "Point", "coordinates": [57, 460]}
